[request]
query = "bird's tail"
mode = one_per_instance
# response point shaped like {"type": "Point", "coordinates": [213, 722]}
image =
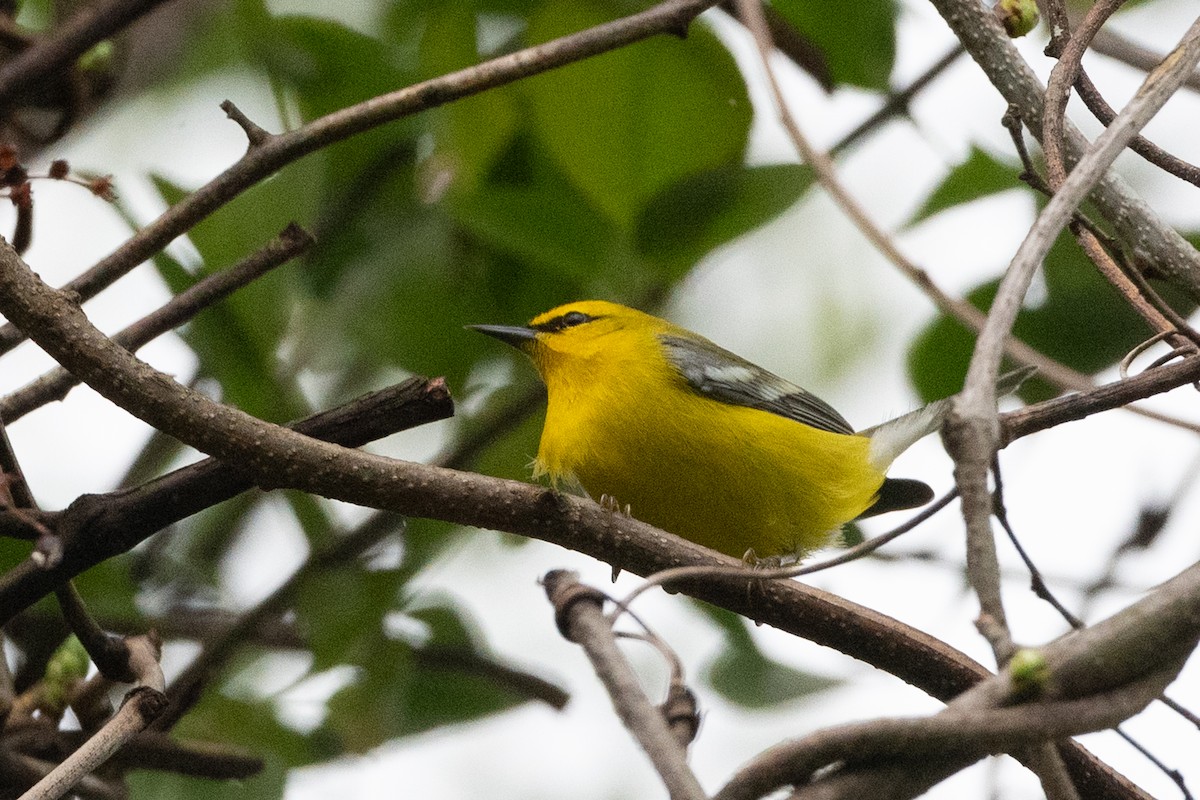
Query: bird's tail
{"type": "Point", "coordinates": [891, 438]}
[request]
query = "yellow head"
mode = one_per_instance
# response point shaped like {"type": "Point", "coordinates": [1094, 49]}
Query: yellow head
{"type": "Point", "coordinates": [587, 342]}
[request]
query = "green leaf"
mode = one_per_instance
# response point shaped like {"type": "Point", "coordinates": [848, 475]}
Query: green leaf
{"type": "Point", "coordinates": [978, 176]}
{"type": "Point", "coordinates": [543, 221]}
{"type": "Point", "coordinates": [744, 675]}
{"type": "Point", "coordinates": [400, 691]}
{"type": "Point", "coordinates": [705, 210]}
{"type": "Point", "coordinates": [238, 339]}
{"type": "Point", "coordinates": [329, 65]}
{"type": "Point", "coordinates": [627, 124]}
{"type": "Point", "coordinates": [326, 67]}
{"type": "Point", "coordinates": [858, 38]}
{"type": "Point", "coordinates": [1083, 322]}
{"type": "Point", "coordinates": [343, 610]}
{"type": "Point", "coordinates": [471, 133]}
{"type": "Point", "coordinates": [66, 668]}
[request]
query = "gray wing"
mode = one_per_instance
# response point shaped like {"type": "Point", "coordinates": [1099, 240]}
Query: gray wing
{"type": "Point", "coordinates": [718, 373]}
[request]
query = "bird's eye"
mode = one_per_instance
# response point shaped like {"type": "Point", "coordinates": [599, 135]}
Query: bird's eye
{"type": "Point", "coordinates": [567, 320]}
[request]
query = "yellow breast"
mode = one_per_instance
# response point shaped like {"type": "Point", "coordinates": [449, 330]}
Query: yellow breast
{"type": "Point", "coordinates": [728, 477]}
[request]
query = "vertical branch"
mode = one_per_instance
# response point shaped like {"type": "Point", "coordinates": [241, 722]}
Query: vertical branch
{"type": "Point", "coordinates": [1066, 73]}
{"type": "Point", "coordinates": [973, 429]}
{"type": "Point", "coordinates": [577, 609]}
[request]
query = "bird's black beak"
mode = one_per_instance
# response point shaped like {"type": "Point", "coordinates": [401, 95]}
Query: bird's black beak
{"type": "Point", "coordinates": [517, 336]}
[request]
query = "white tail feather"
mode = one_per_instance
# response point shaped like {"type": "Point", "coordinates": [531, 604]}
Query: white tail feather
{"type": "Point", "coordinates": [891, 438]}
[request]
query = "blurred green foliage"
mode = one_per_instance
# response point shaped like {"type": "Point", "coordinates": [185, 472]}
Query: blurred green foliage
{"type": "Point", "coordinates": [1075, 316]}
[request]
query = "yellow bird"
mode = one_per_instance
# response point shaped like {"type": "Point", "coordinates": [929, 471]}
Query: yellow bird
{"type": "Point", "coordinates": [700, 442]}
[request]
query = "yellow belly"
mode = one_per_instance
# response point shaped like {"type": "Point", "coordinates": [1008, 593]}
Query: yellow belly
{"type": "Point", "coordinates": [733, 479]}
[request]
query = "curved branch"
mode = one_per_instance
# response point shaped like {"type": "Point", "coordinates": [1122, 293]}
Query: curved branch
{"type": "Point", "coordinates": [1096, 677]}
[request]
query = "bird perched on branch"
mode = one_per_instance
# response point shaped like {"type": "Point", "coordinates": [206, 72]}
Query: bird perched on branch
{"type": "Point", "coordinates": [700, 442]}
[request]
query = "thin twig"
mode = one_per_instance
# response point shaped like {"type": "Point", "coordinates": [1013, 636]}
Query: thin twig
{"type": "Point", "coordinates": [90, 24]}
{"type": "Point", "coordinates": [799, 49]}
{"type": "Point", "coordinates": [211, 289]}
{"type": "Point", "coordinates": [1064, 75]}
{"type": "Point", "coordinates": [669, 576]}
{"type": "Point", "coordinates": [1071, 48]}
{"type": "Point", "coordinates": [1150, 240]}
{"type": "Point", "coordinates": [1145, 148]}
{"type": "Point", "coordinates": [1056, 411]}
{"type": "Point", "coordinates": [897, 102]}
{"type": "Point", "coordinates": [1036, 582]}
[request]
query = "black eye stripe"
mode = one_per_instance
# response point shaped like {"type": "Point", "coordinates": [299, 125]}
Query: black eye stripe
{"type": "Point", "coordinates": [567, 320]}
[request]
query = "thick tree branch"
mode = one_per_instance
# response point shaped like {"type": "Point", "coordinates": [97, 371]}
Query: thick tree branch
{"type": "Point", "coordinates": [96, 527]}
{"type": "Point", "coordinates": [275, 456]}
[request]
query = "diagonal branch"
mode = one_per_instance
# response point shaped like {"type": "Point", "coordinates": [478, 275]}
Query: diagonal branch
{"type": "Point", "coordinates": [972, 432]}
{"type": "Point", "coordinates": [578, 609]}
{"type": "Point", "coordinates": [1091, 680]}
{"type": "Point", "coordinates": [1150, 239]}
{"type": "Point", "coordinates": [91, 23]}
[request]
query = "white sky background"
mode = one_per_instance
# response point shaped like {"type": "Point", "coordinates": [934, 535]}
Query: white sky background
{"type": "Point", "coordinates": [1072, 492]}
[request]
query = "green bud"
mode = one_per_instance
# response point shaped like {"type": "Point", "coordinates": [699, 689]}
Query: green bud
{"type": "Point", "coordinates": [99, 58]}
{"type": "Point", "coordinates": [67, 667]}
{"type": "Point", "coordinates": [1028, 672]}
{"type": "Point", "coordinates": [1018, 17]}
